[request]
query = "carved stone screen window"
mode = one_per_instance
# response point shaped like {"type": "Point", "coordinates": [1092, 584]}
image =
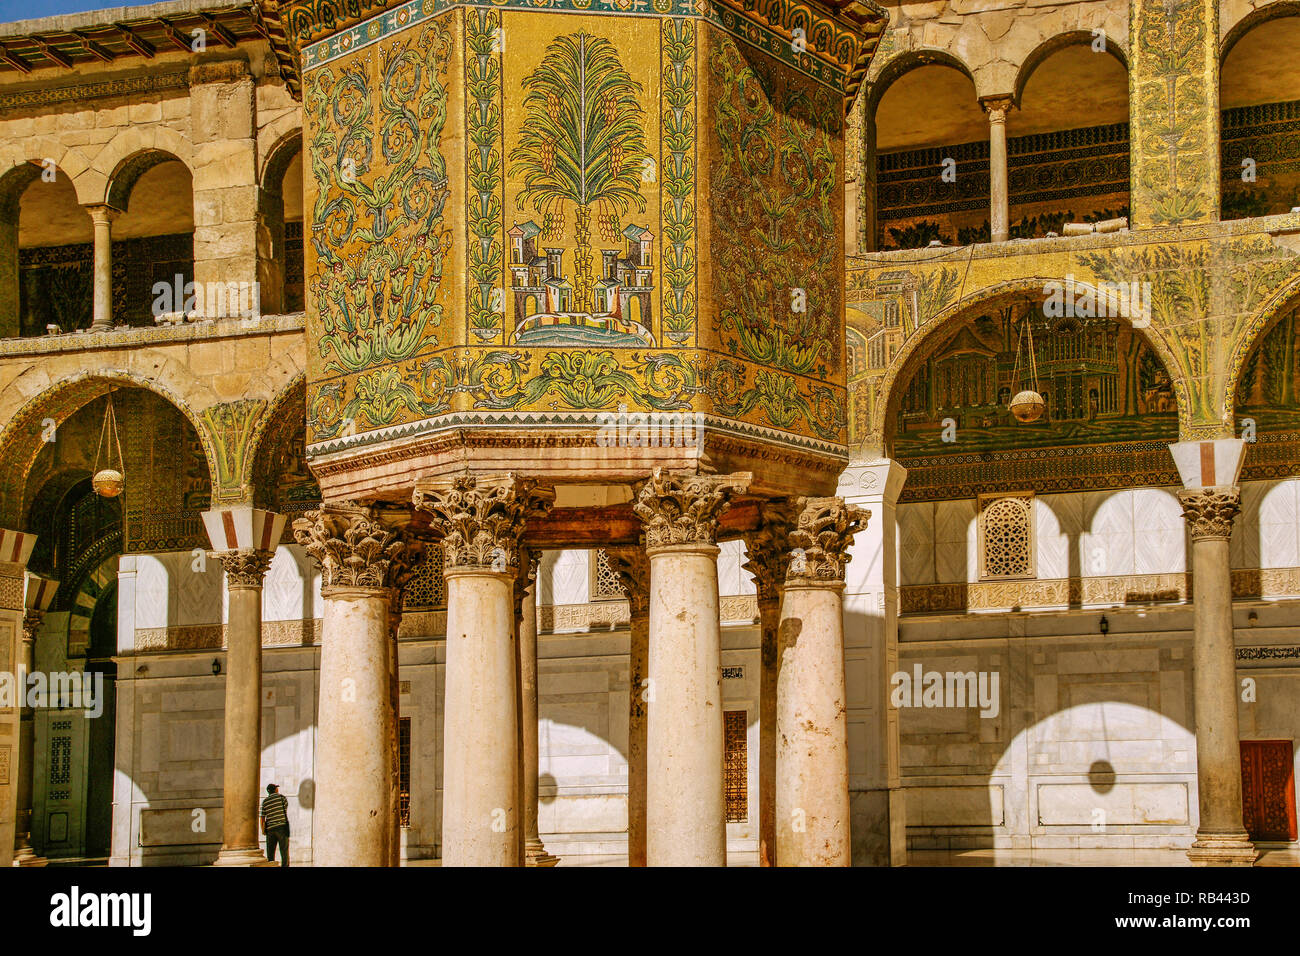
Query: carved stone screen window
{"type": "Point", "coordinates": [736, 771]}
{"type": "Point", "coordinates": [427, 589]}
{"type": "Point", "coordinates": [605, 585]}
{"type": "Point", "coordinates": [1006, 536]}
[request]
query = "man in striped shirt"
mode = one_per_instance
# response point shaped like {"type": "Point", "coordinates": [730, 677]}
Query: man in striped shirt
{"type": "Point", "coordinates": [275, 823]}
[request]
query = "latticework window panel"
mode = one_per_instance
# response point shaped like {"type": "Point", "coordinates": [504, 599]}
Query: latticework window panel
{"type": "Point", "coordinates": [736, 772]}
{"type": "Point", "coordinates": [605, 585]}
{"type": "Point", "coordinates": [404, 770]}
{"type": "Point", "coordinates": [1006, 536]}
{"type": "Point", "coordinates": [427, 589]}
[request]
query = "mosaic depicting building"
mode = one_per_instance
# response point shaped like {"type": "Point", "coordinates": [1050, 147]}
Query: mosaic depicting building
{"type": "Point", "coordinates": [345, 351]}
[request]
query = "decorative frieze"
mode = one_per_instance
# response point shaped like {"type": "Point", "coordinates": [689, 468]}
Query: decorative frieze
{"type": "Point", "coordinates": [354, 545]}
{"type": "Point", "coordinates": [819, 543]}
{"type": "Point", "coordinates": [245, 568]}
{"type": "Point", "coordinates": [1209, 511]}
{"type": "Point", "coordinates": [481, 518]}
{"type": "Point", "coordinates": [683, 508]}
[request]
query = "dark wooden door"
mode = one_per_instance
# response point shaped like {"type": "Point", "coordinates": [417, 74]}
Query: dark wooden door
{"type": "Point", "coordinates": [1268, 790]}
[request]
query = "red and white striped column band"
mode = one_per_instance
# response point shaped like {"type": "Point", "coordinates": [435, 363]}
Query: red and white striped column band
{"type": "Point", "coordinates": [16, 546]}
{"type": "Point", "coordinates": [243, 527]}
{"type": "Point", "coordinates": [40, 592]}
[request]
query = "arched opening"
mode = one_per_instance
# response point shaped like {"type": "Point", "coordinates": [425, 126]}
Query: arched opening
{"type": "Point", "coordinates": [1267, 414]}
{"type": "Point", "coordinates": [281, 207]}
{"type": "Point", "coordinates": [1067, 142]}
{"type": "Point", "coordinates": [1110, 414]}
{"type": "Point", "coordinates": [82, 538]}
{"type": "Point", "coordinates": [50, 287]}
{"type": "Point", "coordinates": [930, 140]}
{"type": "Point", "coordinates": [1260, 111]}
{"type": "Point", "coordinates": [153, 237]}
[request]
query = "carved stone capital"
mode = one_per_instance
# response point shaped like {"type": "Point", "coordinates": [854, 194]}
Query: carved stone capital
{"type": "Point", "coordinates": [820, 541]}
{"type": "Point", "coordinates": [528, 561]}
{"type": "Point", "coordinates": [997, 107]}
{"type": "Point", "coordinates": [356, 546]}
{"type": "Point", "coordinates": [31, 624]}
{"type": "Point", "coordinates": [683, 508]}
{"type": "Point", "coordinates": [1209, 511]}
{"type": "Point", "coordinates": [767, 549]}
{"type": "Point", "coordinates": [633, 569]}
{"type": "Point", "coordinates": [481, 519]}
{"type": "Point", "coordinates": [245, 568]}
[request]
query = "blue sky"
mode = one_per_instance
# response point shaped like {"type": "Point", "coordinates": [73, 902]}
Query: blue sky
{"type": "Point", "coordinates": [11, 10]}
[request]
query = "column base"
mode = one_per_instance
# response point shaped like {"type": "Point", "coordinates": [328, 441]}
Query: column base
{"type": "Point", "coordinates": [535, 855]}
{"type": "Point", "coordinates": [243, 856]}
{"type": "Point", "coordinates": [1227, 850]}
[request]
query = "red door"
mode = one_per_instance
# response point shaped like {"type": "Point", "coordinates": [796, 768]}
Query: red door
{"type": "Point", "coordinates": [1268, 790]}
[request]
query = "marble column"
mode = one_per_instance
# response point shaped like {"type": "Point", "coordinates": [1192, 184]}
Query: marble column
{"type": "Point", "coordinates": [685, 808]}
{"type": "Point", "coordinates": [1221, 838]}
{"type": "Point", "coordinates": [481, 521]}
{"type": "Point", "coordinates": [535, 853]}
{"type": "Point", "coordinates": [812, 750]}
{"type": "Point", "coordinates": [102, 311]}
{"type": "Point", "coordinates": [766, 559]}
{"type": "Point", "coordinates": [15, 549]}
{"type": "Point", "coordinates": [358, 549]}
{"type": "Point", "coordinates": [633, 570]}
{"type": "Point", "coordinates": [871, 649]}
{"type": "Point", "coordinates": [24, 854]}
{"type": "Point", "coordinates": [999, 209]}
{"type": "Point", "coordinates": [245, 570]}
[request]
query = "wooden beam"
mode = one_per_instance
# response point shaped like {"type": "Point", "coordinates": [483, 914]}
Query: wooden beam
{"type": "Point", "coordinates": [14, 60]}
{"type": "Point", "coordinates": [136, 43]}
{"type": "Point", "coordinates": [217, 30]}
{"type": "Point", "coordinates": [50, 53]}
{"type": "Point", "coordinates": [93, 48]}
{"type": "Point", "coordinates": [179, 40]}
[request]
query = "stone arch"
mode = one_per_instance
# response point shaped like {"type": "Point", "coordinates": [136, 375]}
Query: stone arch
{"type": "Point", "coordinates": [121, 183]}
{"type": "Point", "coordinates": [22, 436]}
{"type": "Point", "coordinates": [1286, 297]}
{"type": "Point", "coordinates": [1255, 16]}
{"type": "Point", "coordinates": [99, 182]}
{"type": "Point", "coordinates": [70, 160]}
{"type": "Point", "coordinates": [906, 62]}
{"type": "Point", "coordinates": [280, 142]}
{"type": "Point", "coordinates": [930, 333]}
{"type": "Point", "coordinates": [81, 601]}
{"type": "Point", "coordinates": [1044, 50]}
{"type": "Point", "coordinates": [294, 390]}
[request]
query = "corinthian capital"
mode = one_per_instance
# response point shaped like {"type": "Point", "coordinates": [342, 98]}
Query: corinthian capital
{"type": "Point", "coordinates": [633, 570]}
{"type": "Point", "coordinates": [767, 549]}
{"type": "Point", "coordinates": [679, 508]}
{"type": "Point", "coordinates": [820, 541]}
{"type": "Point", "coordinates": [1209, 511]}
{"type": "Point", "coordinates": [355, 546]}
{"type": "Point", "coordinates": [481, 519]}
{"type": "Point", "coordinates": [245, 568]}
{"type": "Point", "coordinates": [31, 624]}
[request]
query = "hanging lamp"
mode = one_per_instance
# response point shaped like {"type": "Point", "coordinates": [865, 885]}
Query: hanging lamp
{"type": "Point", "coordinates": [1028, 405]}
{"type": "Point", "coordinates": [108, 481]}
